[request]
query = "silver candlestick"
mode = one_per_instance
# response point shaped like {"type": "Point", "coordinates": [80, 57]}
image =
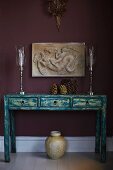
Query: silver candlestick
{"type": "Point", "coordinates": [90, 63]}
{"type": "Point", "coordinates": [20, 62]}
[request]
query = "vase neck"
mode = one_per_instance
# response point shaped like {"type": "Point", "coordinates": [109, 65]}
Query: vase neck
{"type": "Point", "coordinates": [55, 133]}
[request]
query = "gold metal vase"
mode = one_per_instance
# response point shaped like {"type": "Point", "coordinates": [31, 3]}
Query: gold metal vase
{"type": "Point", "coordinates": [55, 145]}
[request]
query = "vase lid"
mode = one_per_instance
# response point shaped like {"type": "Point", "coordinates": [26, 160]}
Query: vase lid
{"type": "Point", "coordinates": [55, 133]}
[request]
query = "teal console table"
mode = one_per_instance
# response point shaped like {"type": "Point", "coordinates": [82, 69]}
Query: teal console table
{"type": "Point", "coordinates": [54, 102]}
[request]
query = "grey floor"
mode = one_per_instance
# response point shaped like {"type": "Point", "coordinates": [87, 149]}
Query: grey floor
{"type": "Point", "coordinates": [70, 161]}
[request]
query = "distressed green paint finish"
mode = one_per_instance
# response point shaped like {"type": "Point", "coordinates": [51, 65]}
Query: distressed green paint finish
{"type": "Point", "coordinates": [6, 130]}
{"type": "Point", "coordinates": [55, 102]}
{"type": "Point", "coordinates": [18, 102]}
{"type": "Point", "coordinates": [12, 127]}
{"type": "Point", "coordinates": [103, 131]}
{"type": "Point", "coordinates": [87, 102]}
{"type": "Point", "coordinates": [97, 138]}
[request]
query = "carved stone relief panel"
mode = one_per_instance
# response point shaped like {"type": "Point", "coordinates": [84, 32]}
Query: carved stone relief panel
{"type": "Point", "coordinates": [58, 59]}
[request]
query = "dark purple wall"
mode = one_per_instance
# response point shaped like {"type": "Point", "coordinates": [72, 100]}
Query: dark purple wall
{"type": "Point", "coordinates": [26, 22]}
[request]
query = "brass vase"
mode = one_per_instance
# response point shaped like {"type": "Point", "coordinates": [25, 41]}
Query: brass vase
{"type": "Point", "coordinates": [55, 145]}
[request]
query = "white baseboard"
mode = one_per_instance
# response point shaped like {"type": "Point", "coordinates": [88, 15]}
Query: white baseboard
{"type": "Point", "coordinates": [74, 144]}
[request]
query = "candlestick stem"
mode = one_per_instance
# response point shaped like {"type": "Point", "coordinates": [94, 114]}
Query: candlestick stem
{"type": "Point", "coordinates": [21, 81]}
{"type": "Point", "coordinates": [91, 82]}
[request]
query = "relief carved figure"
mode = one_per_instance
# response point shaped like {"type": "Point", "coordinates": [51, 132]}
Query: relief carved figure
{"type": "Point", "coordinates": [57, 60]}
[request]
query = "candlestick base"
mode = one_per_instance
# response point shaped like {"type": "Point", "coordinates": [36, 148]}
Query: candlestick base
{"type": "Point", "coordinates": [91, 93]}
{"type": "Point", "coordinates": [22, 92]}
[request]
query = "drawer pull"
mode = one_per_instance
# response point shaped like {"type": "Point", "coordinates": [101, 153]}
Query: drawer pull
{"type": "Point", "coordinates": [22, 102]}
{"type": "Point", "coordinates": [55, 102]}
{"type": "Point", "coordinates": [87, 102]}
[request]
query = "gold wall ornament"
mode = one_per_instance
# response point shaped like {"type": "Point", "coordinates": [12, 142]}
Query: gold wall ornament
{"type": "Point", "coordinates": [57, 8]}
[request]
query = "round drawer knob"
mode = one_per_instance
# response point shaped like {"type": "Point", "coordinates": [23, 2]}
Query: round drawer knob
{"type": "Point", "coordinates": [55, 102]}
{"type": "Point", "coordinates": [87, 102]}
{"type": "Point", "coordinates": [22, 102]}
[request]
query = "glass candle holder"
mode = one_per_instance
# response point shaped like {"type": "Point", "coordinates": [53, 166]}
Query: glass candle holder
{"type": "Point", "coordinates": [20, 61]}
{"type": "Point", "coordinates": [90, 60]}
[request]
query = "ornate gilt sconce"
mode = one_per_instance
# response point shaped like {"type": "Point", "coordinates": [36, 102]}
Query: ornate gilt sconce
{"type": "Point", "coordinates": [57, 8]}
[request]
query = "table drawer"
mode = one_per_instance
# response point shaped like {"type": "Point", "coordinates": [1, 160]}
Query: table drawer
{"type": "Point", "coordinates": [54, 102]}
{"type": "Point", "coordinates": [87, 102]}
{"type": "Point", "coordinates": [22, 102]}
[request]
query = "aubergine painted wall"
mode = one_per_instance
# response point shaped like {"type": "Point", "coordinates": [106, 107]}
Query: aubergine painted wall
{"type": "Point", "coordinates": [26, 22]}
